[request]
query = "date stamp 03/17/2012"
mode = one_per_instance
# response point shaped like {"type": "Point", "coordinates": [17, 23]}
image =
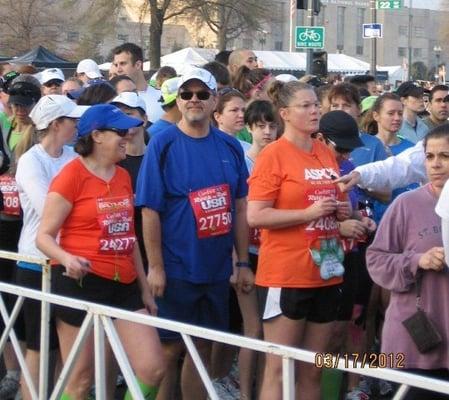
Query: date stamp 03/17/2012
{"type": "Point", "coordinates": [360, 360]}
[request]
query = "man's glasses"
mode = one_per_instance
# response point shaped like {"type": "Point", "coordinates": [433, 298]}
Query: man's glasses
{"type": "Point", "coordinates": [119, 132]}
{"type": "Point", "coordinates": [201, 95]}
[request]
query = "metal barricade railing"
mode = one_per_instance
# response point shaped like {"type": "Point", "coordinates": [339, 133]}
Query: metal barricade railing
{"type": "Point", "coordinates": [100, 318]}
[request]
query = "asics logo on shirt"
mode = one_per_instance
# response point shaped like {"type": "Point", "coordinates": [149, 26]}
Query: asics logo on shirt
{"type": "Point", "coordinates": [316, 174]}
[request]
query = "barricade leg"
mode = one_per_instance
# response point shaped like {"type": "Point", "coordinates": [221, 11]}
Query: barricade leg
{"type": "Point", "coordinates": [15, 343]}
{"type": "Point", "coordinates": [288, 378]}
{"type": "Point", "coordinates": [121, 358]}
{"type": "Point", "coordinates": [200, 366]}
{"type": "Point", "coordinates": [100, 379]}
{"type": "Point", "coordinates": [71, 359]}
{"type": "Point", "coordinates": [45, 335]}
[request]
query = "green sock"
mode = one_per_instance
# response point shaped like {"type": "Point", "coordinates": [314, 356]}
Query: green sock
{"type": "Point", "coordinates": [149, 392]}
{"type": "Point", "coordinates": [65, 396]}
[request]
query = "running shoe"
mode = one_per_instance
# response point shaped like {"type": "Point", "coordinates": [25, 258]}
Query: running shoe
{"type": "Point", "coordinates": [8, 388]}
{"type": "Point", "coordinates": [356, 394]}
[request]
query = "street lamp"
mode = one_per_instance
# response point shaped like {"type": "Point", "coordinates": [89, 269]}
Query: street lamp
{"type": "Point", "coordinates": [437, 50]}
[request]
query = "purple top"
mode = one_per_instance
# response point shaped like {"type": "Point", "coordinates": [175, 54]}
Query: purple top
{"type": "Point", "coordinates": [409, 228]}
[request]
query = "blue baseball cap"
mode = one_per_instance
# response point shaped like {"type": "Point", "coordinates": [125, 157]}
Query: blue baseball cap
{"type": "Point", "coordinates": [105, 116]}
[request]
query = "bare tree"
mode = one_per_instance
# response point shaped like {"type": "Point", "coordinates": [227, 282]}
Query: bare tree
{"type": "Point", "coordinates": [96, 20]}
{"type": "Point", "coordinates": [161, 11]}
{"type": "Point", "coordinates": [229, 19]}
{"type": "Point", "coordinates": [25, 24]}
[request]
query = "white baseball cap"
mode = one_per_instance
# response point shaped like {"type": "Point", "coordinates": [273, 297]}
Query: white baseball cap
{"type": "Point", "coordinates": [51, 74]}
{"type": "Point", "coordinates": [90, 68]}
{"type": "Point", "coordinates": [52, 107]}
{"type": "Point", "coordinates": [200, 74]}
{"type": "Point", "coordinates": [286, 78]}
{"type": "Point", "coordinates": [131, 100]}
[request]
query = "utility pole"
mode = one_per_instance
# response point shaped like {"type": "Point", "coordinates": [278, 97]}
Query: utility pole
{"type": "Point", "coordinates": [309, 59]}
{"type": "Point", "coordinates": [293, 13]}
{"type": "Point", "coordinates": [373, 40]}
{"type": "Point", "coordinates": [410, 25]}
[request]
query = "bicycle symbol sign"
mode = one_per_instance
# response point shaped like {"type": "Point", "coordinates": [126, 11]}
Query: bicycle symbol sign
{"type": "Point", "coordinates": [310, 37]}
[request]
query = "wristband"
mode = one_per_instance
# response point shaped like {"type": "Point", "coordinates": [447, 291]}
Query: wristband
{"type": "Point", "coordinates": [241, 264]}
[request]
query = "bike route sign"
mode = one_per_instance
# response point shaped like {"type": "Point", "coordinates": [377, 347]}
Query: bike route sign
{"type": "Point", "coordinates": [309, 37]}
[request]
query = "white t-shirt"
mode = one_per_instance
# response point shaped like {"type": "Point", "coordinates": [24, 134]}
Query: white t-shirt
{"type": "Point", "coordinates": [151, 97]}
{"type": "Point", "coordinates": [35, 171]}
{"type": "Point", "coordinates": [442, 209]}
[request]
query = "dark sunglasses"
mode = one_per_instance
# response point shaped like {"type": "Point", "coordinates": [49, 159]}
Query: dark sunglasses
{"type": "Point", "coordinates": [201, 95]}
{"type": "Point", "coordinates": [119, 132]}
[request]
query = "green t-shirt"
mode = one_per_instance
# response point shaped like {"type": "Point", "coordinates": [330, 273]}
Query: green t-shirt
{"type": "Point", "coordinates": [245, 135]}
{"type": "Point", "coordinates": [14, 137]}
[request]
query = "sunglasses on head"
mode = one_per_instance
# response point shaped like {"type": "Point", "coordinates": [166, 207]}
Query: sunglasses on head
{"type": "Point", "coordinates": [201, 95]}
{"type": "Point", "coordinates": [119, 132]}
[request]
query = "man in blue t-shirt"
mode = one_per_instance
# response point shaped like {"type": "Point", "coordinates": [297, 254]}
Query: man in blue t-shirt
{"type": "Point", "coordinates": [192, 187]}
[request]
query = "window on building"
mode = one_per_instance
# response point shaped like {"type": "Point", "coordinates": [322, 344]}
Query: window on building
{"type": "Point", "coordinates": [278, 45]}
{"type": "Point", "coordinates": [359, 37]}
{"type": "Point", "coordinates": [122, 37]}
{"type": "Point", "coordinates": [73, 36]}
{"type": "Point", "coordinates": [419, 31]}
{"type": "Point", "coordinates": [247, 43]}
{"type": "Point", "coordinates": [417, 53]}
{"type": "Point", "coordinates": [402, 51]}
{"type": "Point", "coordinates": [403, 30]}
{"type": "Point", "coordinates": [340, 28]}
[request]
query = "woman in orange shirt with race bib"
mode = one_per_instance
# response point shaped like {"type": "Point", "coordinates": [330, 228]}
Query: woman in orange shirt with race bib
{"type": "Point", "coordinates": [293, 199]}
{"type": "Point", "coordinates": [90, 203]}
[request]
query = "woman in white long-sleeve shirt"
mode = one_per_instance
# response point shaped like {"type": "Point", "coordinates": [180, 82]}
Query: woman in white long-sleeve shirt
{"type": "Point", "coordinates": [442, 209]}
{"type": "Point", "coordinates": [54, 118]}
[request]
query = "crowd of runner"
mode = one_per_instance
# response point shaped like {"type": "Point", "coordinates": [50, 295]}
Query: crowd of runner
{"type": "Point", "coordinates": [306, 213]}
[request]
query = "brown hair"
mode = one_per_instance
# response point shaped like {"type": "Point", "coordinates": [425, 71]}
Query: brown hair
{"type": "Point", "coordinates": [368, 124]}
{"type": "Point", "coordinates": [246, 79]}
{"type": "Point", "coordinates": [346, 91]}
{"type": "Point", "coordinates": [84, 145]}
{"type": "Point", "coordinates": [225, 95]}
{"type": "Point", "coordinates": [281, 93]}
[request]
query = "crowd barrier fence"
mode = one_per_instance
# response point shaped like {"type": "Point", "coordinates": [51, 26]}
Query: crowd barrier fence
{"type": "Point", "coordinates": [100, 318]}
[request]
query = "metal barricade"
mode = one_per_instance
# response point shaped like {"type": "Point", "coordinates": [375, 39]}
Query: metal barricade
{"type": "Point", "coordinates": [100, 319]}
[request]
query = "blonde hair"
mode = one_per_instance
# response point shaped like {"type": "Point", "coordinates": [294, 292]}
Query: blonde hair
{"type": "Point", "coordinates": [281, 93]}
{"type": "Point", "coordinates": [27, 140]}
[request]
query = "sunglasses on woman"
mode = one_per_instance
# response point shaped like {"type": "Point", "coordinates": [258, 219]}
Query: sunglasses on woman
{"type": "Point", "coordinates": [201, 95]}
{"type": "Point", "coordinates": [119, 132]}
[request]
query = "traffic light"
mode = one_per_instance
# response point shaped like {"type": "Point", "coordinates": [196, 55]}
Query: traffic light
{"type": "Point", "coordinates": [319, 63]}
{"type": "Point", "coordinates": [316, 7]}
{"type": "Point", "coordinates": [304, 5]}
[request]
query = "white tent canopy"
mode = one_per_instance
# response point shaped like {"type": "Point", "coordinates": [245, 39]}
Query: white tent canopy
{"type": "Point", "coordinates": [274, 60]}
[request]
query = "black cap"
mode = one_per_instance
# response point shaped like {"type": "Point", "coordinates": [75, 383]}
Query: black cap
{"type": "Point", "coordinates": [410, 88]}
{"type": "Point", "coordinates": [24, 93]}
{"type": "Point", "coordinates": [341, 128]}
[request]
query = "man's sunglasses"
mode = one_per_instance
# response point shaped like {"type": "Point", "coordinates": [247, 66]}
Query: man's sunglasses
{"type": "Point", "coordinates": [201, 95]}
{"type": "Point", "coordinates": [119, 132]}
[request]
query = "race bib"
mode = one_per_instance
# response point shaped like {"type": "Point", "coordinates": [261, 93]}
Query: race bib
{"type": "Point", "coordinates": [116, 221]}
{"type": "Point", "coordinates": [212, 210]}
{"type": "Point", "coordinates": [327, 225]}
{"type": "Point", "coordinates": [11, 203]}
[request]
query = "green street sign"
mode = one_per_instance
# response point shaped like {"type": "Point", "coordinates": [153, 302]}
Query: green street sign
{"type": "Point", "coordinates": [388, 4]}
{"type": "Point", "coordinates": [309, 37]}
